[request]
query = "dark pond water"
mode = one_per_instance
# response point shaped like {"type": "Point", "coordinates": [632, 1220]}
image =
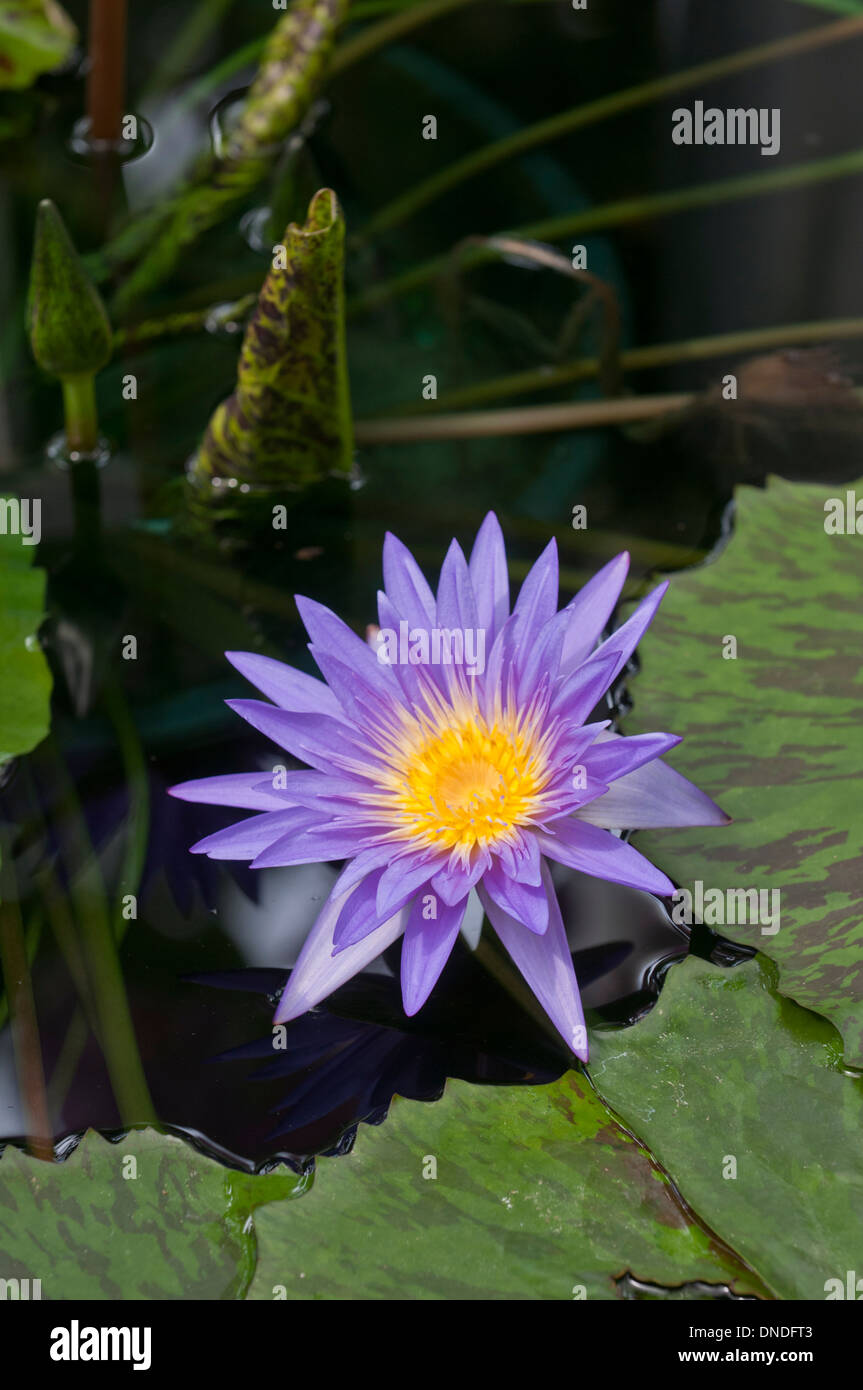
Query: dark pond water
{"type": "Point", "coordinates": [86, 815]}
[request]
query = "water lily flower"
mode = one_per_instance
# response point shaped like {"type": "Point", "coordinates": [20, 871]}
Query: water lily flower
{"type": "Point", "coordinates": [438, 765]}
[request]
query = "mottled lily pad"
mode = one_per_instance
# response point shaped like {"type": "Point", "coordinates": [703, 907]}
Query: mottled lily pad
{"type": "Point", "coordinates": [147, 1218]}
{"type": "Point", "coordinates": [775, 735]}
{"type": "Point", "coordinates": [740, 1094]}
{"type": "Point", "coordinates": [538, 1194]}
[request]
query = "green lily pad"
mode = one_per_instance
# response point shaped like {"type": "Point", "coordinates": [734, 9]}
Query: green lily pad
{"type": "Point", "coordinates": [36, 36]}
{"type": "Point", "coordinates": [723, 1069]}
{"type": "Point", "coordinates": [25, 690]}
{"type": "Point", "coordinates": [774, 735]}
{"type": "Point", "coordinates": [538, 1194]}
{"type": "Point", "coordinates": [146, 1218]}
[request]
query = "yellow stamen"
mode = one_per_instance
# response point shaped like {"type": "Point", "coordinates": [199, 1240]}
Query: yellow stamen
{"type": "Point", "coordinates": [459, 781]}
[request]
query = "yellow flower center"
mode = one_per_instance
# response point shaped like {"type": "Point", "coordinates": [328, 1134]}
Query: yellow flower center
{"type": "Point", "coordinates": [469, 783]}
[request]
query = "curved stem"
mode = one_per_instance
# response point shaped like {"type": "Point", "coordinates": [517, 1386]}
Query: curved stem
{"type": "Point", "coordinates": [409, 203]}
{"type": "Point", "coordinates": [625, 211]}
{"type": "Point", "coordinates": [654, 355]}
{"type": "Point", "coordinates": [389, 30]}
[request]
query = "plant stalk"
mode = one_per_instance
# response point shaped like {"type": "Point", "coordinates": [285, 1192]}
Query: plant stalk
{"type": "Point", "coordinates": [106, 82]}
{"type": "Point", "coordinates": [79, 407]}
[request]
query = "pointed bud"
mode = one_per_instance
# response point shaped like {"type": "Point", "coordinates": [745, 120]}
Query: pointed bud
{"type": "Point", "coordinates": [69, 329]}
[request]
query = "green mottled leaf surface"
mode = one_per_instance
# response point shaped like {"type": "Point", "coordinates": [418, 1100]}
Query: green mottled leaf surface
{"type": "Point", "coordinates": [538, 1194]}
{"type": "Point", "coordinates": [725, 1068]}
{"type": "Point", "coordinates": [179, 1228]}
{"type": "Point", "coordinates": [25, 687]}
{"type": "Point", "coordinates": [35, 37]}
{"type": "Point", "coordinates": [289, 420]}
{"type": "Point", "coordinates": [775, 735]}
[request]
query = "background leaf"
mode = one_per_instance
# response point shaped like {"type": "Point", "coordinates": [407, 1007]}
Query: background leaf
{"type": "Point", "coordinates": [537, 1191]}
{"type": "Point", "coordinates": [289, 420]}
{"type": "Point", "coordinates": [775, 735]}
{"type": "Point", "coordinates": [36, 36]}
{"type": "Point", "coordinates": [25, 689]}
{"type": "Point", "coordinates": [721, 1068]}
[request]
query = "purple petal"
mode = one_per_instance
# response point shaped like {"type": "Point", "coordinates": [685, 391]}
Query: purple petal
{"type": "Point", "coordinates": [585, 616]}
{"type": "Point", "coordinates": [626, 638]}
{"type": "Point", "coordinates": [525, 902]}
{"type": "Point", "coordinates": [366, 861]}
{"type": "Point", "coordinates": [537, 599]}
{"type": "Point", "coordinates": [289, 689]}
{"type": "Point", "coordinates": [404, 876]}
{"type": "Point", "coordinates": [652, 796]}
{"type": "Point", "coordinates": [546, 964]}
{"type": "Point", "coordinates": [407, 676]}
{"type": "Point", "coordinates": [316, 845]}
{"type": "Point", "coordinates": [520, 860]}
{"type": "Point", "coordinates": [456, 605]}
{"type": "Point", "coordinates": [537, 659]}
{"type": "Point", "coordinates": [490, 577]}
{"type": "Point", "coordinates": [330, 634]}
{"type": "Point", "coordinates": [611, 756]}
{"type": "Point", "coordinates": [249, 837]}
{"type": "Point", "coordinates": [365, 697]}
{"type": "Point", "coordinates": [593, 851]}
{"type": "Point", "coordinates": [249, 790]}
{"type": "Point", "coordinates": [317, 972]}
{"type": "Point", "coordinates": [588, 683]}
{"type": "Point", "coordinates": [323, 792]}
{"type": "Point", "coordinates": [453, 882]}
{"type": "Point", "coordinates": [425, 951]}
{"type": "Point", "coordinates": [406, 585]}
{"type": "Point", "coordinates": [316, 739]}
{"type": "Point", "coordinates": [359, 914]}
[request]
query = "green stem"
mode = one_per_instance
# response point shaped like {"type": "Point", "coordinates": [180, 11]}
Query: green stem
{"type": "Point", "coordinates": [138, 786]}
{"type": "Point", "coordinates": [620, 213]}
{"type": "Point", "coordinates": [405, 206]}
{"type": "Point", "coordinates": [175, 325]}
{"type": "Point", "coordinates": [641, 359]}
{"type": "Point", "coordinates": [389, 30]}
{"type": "Point", "coordinates": [92, 918]}
{"type": "Point", "coordinates": [79, 407]}
{"type": "Point", "coordinates": [183, 49]}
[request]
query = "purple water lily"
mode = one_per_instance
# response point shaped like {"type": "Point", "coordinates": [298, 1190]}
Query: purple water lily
{"type": "Point", "coordinates": [436, 771]}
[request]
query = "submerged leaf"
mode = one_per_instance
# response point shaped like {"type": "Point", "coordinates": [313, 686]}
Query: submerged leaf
{"type": "Point", "coordinates": [36, 36]}
{"type": "Point", "coordinates": [289, 420]}
{"type": "Point", "coordinates": [776, 734]}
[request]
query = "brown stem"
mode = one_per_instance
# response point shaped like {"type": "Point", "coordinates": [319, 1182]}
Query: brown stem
{"type": "Point", "coordinates": [483, 424]}
{"type": "Point", "coordinates": [106, 83]}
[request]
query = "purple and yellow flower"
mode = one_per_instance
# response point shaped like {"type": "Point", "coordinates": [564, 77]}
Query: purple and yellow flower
{"type": "Point", "coordinates": [451, 755]}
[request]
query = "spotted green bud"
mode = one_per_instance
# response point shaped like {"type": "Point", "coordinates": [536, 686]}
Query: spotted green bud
{"type": "Point", "coordinates": [69, 329]}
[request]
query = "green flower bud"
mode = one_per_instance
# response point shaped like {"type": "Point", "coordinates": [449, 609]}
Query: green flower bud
{"type": "Point", "coordinates": [69, 329]}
